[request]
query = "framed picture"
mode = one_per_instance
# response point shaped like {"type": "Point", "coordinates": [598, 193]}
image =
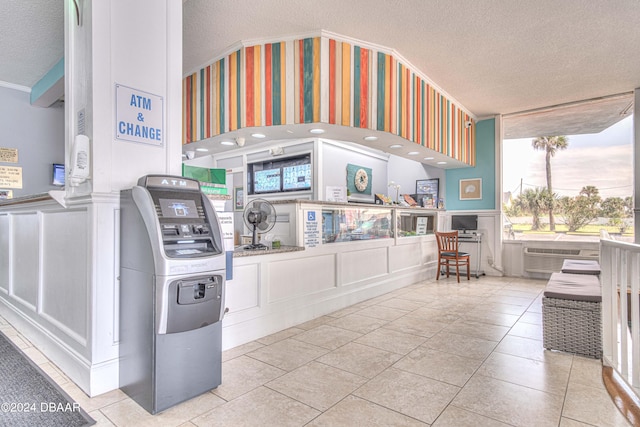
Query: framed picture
{"type": "Point", "coordinates": [238, 198]}
{"type": "Point", "coordinates": [429, 191]}
{"type": "Point", "coordinates": [471, 189]}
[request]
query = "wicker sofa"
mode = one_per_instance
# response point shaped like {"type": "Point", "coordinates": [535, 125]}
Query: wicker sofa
{"type": "Point", "coordinates": [572, 314]}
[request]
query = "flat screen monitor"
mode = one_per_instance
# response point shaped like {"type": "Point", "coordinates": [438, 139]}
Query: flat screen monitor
{"type": "Point", "coordinates": [266, 181]}
{"type": "Point", "coordinates": [297, 177]}
{"type": "Point", "coordinates": [58, 175]}
{"type": "Point", "coordinates": [464, 223]}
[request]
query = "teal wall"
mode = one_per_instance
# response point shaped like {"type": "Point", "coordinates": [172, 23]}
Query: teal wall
{"type": "Point", "coordinates": [485, 168]}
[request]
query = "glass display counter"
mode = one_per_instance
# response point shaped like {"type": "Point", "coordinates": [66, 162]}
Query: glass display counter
{"type": "Point", "coordinates": [343, 224]}
{"type": "Point", "coordinates": [415, 223]}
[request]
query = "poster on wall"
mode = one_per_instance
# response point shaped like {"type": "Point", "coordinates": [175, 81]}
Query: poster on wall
{"type": "Point", "coordinates": [359, 182]}
{"type": "Point", "coordinates": [471, 189]}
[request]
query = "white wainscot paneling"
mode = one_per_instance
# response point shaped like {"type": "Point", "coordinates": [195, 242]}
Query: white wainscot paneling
{"type": "Point", "coordinates": [65, 279]}
{"type": "Point", "coordinates": [361, 265]}
{"type": "Point", "coordinates": [26, 259]}
{"type": "Point", "coordinates": [242, 293]}
{"type": "Point", "coordinates": [405, 256]}
{"type": "Point", "coordinates": [4, 252]}
{"type": "Point", "coordinates": [302, 276]}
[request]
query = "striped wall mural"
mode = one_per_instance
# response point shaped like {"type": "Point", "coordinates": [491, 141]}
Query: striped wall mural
{"type": "Point", "coordinates": [349, 77]}
{"type": "Point", "coordinates": [306, 88]}
{"type": "Point", "coordinates": [203, 103]}
{"type": "Point", "coordinates": [362, 88]}
{"type": "Point", "coordinates": [275, 83]}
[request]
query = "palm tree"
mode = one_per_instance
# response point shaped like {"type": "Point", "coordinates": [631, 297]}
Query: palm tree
{"type": "Point", "coordinates": [550, 144]}
{"type": "Point", "coordinates": [534, 202]}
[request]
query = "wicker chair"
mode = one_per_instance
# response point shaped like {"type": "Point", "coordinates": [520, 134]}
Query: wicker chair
{"type": "Point", "coordinates": [449, 255]}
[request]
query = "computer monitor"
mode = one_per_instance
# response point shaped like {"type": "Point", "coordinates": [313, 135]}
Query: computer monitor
{"type": "Point", "coordinates": [464, 223]}
{"type": "Point", "coordinates": [58, 175]}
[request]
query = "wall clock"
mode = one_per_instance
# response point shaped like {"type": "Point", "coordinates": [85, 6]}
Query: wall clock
{"type": "Point", "coordinates": [361, 180]}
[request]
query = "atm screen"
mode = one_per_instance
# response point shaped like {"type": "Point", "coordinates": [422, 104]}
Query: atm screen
{"type": "Point", "coordinates": [178, 208]}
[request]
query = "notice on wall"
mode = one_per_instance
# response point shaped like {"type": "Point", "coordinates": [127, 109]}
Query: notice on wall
{"type": "Point", "coordinates": [10, 177]}
{"type": "Point", "coordinates": [139, 116]}
{"type": "Point", "coordinates": [312, 228]}
{"type": "Point", "coordinates": [8, 155]}
{"type": "Point", "coordinates": [421, 225]}
{"type": "Point", "coordinates": [226, 224]}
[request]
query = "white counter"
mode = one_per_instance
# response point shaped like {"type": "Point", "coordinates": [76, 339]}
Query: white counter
{"type": "Point", "coordinates": [275, 291]}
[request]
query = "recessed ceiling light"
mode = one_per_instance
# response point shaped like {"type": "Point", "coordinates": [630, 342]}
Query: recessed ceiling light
{"type": "Point", "coordinates": [396, 146]}
{"type": "Point", "coordinates": [202, 150]}
{"type": "Point", "coordinates": [370, 138]}
{"type": "Point", "coordinates": [316, 131]}
{"type": "Point", "coordinates": [442, 163]}
{"type": "Point", "coordinates": [412, 153]}
{"type": "Point", "coordinates": [428, 158]}
{"type": "Point", "coordinates": [258, 135]}
{"type": "Point", "coordinates": [227, 143]}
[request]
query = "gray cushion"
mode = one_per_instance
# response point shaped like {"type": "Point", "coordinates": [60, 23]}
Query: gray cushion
{"type": "Point", "coordinates": [581, 266]}
{"type": "Point", "coordinates": [576, 287]}
{"type": "Point", "coordinates": [454, 254]}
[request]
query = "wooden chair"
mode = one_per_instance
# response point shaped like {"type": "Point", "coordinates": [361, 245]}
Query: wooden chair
{"type": "Point", "coordinates": [449, 255]}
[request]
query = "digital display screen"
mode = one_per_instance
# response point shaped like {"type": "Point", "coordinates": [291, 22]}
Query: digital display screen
{"type": "Point", "coordinates": [58, 174]}
{"type": "Point", "coordinates": [178, 208]}
{"type": "Point", "coordinates": [296, 177]}
{"type": "Point", "coordinates": [266, 181]}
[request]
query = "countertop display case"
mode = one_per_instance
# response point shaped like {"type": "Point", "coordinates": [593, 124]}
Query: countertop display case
{"type": "Point", "coordinates": [349, 222]}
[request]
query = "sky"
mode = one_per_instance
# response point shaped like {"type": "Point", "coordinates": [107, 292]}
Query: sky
{"type": "Point", "coordinates": [604, 160]}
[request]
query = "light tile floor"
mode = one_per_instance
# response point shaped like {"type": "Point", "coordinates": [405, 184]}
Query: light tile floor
{"type": "Point", "coordinates": [434, 353]}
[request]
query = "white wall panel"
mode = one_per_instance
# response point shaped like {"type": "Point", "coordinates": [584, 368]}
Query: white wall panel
{"type": "Point", "coordinates": [292, 278]}
{"type": "Point", "coordinates": [242, 293]}
{"type": "Point", "coordinates": [25, 259]}
{"type": "Point", "coordinates": [4, 252]}
{"type": "Point", "coordinates": [364, 264]}
{"type": "Point", "coordinates": [404, 256]}
{"type": "Point", "coordinates": [65, 280]}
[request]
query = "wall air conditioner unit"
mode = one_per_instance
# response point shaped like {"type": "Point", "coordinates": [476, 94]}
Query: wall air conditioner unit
{"type": "Point", "coordinates": [539, 263]}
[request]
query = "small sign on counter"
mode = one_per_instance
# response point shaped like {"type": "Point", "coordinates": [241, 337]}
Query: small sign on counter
{"type": "Point", "coordinates": [312, 228]}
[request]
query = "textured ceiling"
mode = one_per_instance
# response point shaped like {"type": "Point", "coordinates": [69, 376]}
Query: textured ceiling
{"type": "Point", "coordinates": [494, 57]}
{"type": "Point", "coordinates": [31, 39]}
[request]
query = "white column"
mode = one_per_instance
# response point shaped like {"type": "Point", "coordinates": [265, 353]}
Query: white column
{"type": "Point", "coordinates": [137, 45]}
{"type": "Point", "coordinates": [636, 165]}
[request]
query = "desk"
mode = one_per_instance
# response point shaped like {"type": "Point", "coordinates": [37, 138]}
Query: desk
{"type": "Point", "coordinates": [473, 238]}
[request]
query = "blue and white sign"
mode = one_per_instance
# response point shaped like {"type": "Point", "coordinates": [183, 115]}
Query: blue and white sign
{"type": "Point", "coordinates": [139, 116]}
{"type": "Point", "coordinates": [312, 230]}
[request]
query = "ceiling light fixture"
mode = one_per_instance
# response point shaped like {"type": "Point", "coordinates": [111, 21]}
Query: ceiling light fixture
{"type": "Point", "coordinates": [412, 153]}
{"type": "Point", "coordinates": [227, 143]}
{"type": "Point", "coordinates": [442, 163]}
{"type": "Point", "coordinates": [258, 135]}
{"type": "Point", "coordinates": [428, 158]}
{"type": "Point", "coordinates": [316, 131]}
{"type": "Point", "coordinates": [396, 146]}
{"type": "Point", "coordinates": [370, 138]}
{"type": "Point", "coordinates": [202, 150]}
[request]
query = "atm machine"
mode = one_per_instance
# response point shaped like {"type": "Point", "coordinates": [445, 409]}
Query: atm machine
{"type": "Point", "coordinates": [172, 285]}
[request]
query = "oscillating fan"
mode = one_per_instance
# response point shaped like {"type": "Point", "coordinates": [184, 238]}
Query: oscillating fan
{"type": "Point", "coordinates": [259, 215]}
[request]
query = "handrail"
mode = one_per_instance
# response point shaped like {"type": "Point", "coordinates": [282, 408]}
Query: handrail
{"type": "Point", "coordinates": [620, 278]}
